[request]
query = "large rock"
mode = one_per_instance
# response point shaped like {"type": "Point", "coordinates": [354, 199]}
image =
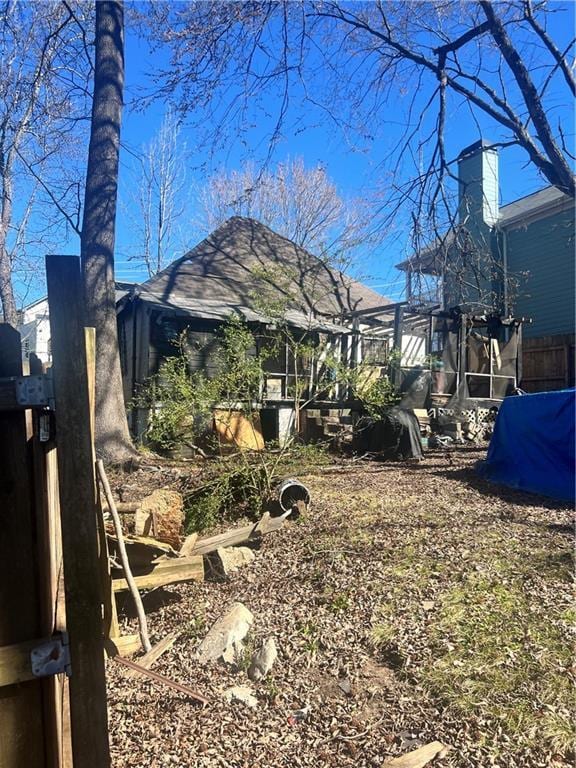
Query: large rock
{"type": "Point", "coordinates": [224, 639]}
{"type": "Point", "coordinates": [226, 560]}
{"type": "Point", "coordinates": [419, 757]}
{"type": "Point", "coordinates": [243, 694]}
{"type": "Point", "coordinates": [161, 515]}
{"type": "Point", "coordinates": [263, 660]}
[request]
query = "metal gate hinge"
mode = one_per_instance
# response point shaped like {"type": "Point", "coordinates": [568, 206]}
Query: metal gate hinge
{"type": "Point", "coordinates": [52, 657]}
{"type": "Point", "coordinates": [35, 390]}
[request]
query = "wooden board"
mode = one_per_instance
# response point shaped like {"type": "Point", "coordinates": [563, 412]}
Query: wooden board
{"type": "Point", "coordinates": [235, 429]}
{"type": "Point", "coordinates": [124, 645]}
{"type": "Point", "coordinates": [82, 574]}
{"type": "Point", "coordinates": [22, 734]}
{"type": "Point", "coordinates": [418, 758]}
{"type": "Point", "coordinates": [56, 698]}
{"type": "Point", "coordinates": [238, 535]}
{"type": "Point", "coordinates": [15, 664]}
{"type": "Point", "coordinates": [166, 572]}
{"type": "Point", "coordinates": [155, 653]}
{"type": "Point", "coordinates": [188, 545]}
{"type": "Point", "coordinates": [142, 551]}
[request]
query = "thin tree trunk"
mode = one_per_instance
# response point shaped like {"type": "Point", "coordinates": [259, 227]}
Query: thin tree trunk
{"type": "Point", "coordinates": [9, 313]}
{"type": "Point", "coordinates": [112, 437]}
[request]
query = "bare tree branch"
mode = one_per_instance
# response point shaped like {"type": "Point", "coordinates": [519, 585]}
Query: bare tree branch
{"type": "Point", "coordinates": [558, 56]}
{"type": "Point", "coordinates": [559, 168]}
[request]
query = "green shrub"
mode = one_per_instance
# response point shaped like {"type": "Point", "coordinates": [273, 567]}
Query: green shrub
{"type": "Point", "coordinates": [181, 403]}
{"type": "Point", "coordinates": [377, 395]}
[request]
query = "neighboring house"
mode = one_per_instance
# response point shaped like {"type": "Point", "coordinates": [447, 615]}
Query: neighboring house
{"type": "Point", "coordinates": [34, 329]}
{"type": "Point", "coordinates": [516, 260]}
{"type": "Point", "coordinates": [246, 268]}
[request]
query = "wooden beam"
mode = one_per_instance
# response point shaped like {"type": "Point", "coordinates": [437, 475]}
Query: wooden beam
{"type": "Point", "coordinates": [56, 699]}
{"type": "Point", "coordinates": [166, 572]}
{"type": "Point", "coordinates": [82, 577]}
{"type": "Point", "coordinates": [142, 550]}
{"type": "Point", "coordinates": [383, 308]}
{"type": "Point", "coordinates": [15, 664]}
{"type": "Point", "coordinates": [266, 525]}
{"type": "Point", "coordinates": [188, 545]}
{"type": "Point", "coordinates": [123, 645]}
{"type": "Point", "coordinates": [462, 351]}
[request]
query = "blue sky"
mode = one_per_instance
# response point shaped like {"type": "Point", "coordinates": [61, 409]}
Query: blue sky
{"type": "Point", "coordinates": [356, 170]}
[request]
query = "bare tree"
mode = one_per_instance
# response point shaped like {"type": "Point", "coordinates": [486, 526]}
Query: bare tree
{"type": "Point", "coordinates": [98, 230]}
{"type": "Point", "coordinates": [363, 65]}
{"type": "Point", "coordinates": [161, 197]}
{"type": "Point", "coordinates": [299, 203]}
{"type": "Point", "coordinates": [42, 72]}
{"type": "Point", "coordinates": [351, 58]}
{"type": "Point", "coordinates": [45, 69]}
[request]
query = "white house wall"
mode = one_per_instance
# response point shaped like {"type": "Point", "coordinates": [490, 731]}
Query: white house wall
{"type": "Point", "coordinates": [413, 350]}
{"type": "Point", "coordinates": [35, 331]}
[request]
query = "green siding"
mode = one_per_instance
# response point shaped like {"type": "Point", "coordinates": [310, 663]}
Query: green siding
{"type": "Point", "coordinates": [545, 249]}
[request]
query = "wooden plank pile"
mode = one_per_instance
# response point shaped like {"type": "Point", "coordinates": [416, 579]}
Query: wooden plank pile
{"type": "Point", "coordinates": [157, 563]}
{"type": "Point", "coordinates": [154, 555]}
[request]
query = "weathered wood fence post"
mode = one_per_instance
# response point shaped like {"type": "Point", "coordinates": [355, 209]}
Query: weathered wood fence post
{"type": "Point", "coordinates": [82, 576]}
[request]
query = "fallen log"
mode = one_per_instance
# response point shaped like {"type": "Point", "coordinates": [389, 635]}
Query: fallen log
{"type": "Point", "coordinates": [123, 507]}
{"type": "Point", "coordinates": [165, 572]}
{"type": "Point", "coordinates": [266, 525]}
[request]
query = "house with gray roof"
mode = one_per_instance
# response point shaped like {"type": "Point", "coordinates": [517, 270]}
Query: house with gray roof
{"type": "Point", "coordinates": [245, 268]}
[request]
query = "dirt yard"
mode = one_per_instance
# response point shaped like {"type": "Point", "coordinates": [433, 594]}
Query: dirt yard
{"type": "Point", "coordinates": [413, 603]}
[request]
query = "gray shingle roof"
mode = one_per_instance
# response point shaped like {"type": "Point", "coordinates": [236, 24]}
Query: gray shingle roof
{"type": "Point", "coordinates": [543, 202]}
{"type": "Point", "coordinates": [544, 198]}
{"type": "Point", "coordinates": [242, 259]}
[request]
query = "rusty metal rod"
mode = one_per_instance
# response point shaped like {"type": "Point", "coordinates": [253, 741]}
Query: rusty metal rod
{"type": "Point", "coordinates": [161, 679]}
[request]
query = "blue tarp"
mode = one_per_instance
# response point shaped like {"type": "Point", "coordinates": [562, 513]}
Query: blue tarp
{"type": "Point", "coordinates": [533, 445]}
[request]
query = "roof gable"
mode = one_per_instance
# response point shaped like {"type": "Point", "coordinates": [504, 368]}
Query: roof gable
{"type": "Point", "coordinates": [243, 258]}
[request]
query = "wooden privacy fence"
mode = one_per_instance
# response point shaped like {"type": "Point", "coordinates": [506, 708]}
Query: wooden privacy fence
{"type": "Point", "coordinates": [548, 363]}
{"type": "Point", "coordinates": [51, 543]}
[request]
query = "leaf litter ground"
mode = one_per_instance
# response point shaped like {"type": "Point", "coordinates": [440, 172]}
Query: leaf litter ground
{"type": "Point", "coordinates": [414, 602]}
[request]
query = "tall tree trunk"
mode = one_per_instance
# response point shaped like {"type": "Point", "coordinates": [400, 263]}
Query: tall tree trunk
{"type": "Point", "coordinates": [113, 441]}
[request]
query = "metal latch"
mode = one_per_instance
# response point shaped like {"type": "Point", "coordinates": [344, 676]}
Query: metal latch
{"type": "Point", "coordinates": [35, 390]}
{"type": "Point", "coordinates": [52, 657]}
